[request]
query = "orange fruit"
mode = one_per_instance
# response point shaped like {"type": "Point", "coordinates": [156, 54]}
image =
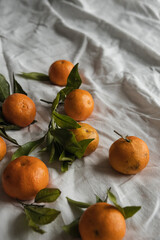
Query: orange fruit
{"type": "Point", "coordinates": [3, 148]}
{"type": "Point", "coordinates": [102, 221]}
{"type": "Point", "coordinates": [129, 157]}
{"type": "Point", "coordinates": [59, 72]}
{"type": "Point", "coordinates": [79, 104]}
{"type": "Point", "coordinates": [19, 109]}
{"type": "Point", "coordinates": [86, 132]}
{"type": "Point", "coordinates": [24, 177]}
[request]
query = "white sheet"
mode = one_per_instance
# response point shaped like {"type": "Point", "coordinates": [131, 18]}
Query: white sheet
{"type": "Point", "coordinates": [117, 45]}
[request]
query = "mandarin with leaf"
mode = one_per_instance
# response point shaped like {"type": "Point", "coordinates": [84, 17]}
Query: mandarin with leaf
{"type": "Point", "coordinates": [102, 221]}
{"type": "Point", "coordinates": [59, 72]}
{"type": "Point", "coordinates": [86, 131]}
{"type": "Point", "coordinates": [24, 177]}
{"type": "Point", "coordinates": [79, 104]}
{"type": "Point", "coordinates": [128, 155]}
{"type": "Point", "coordinates": [19, 109]}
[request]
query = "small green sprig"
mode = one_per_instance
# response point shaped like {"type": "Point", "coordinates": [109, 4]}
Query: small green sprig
{"type": "Point", "coordinates": [128, 211]}
{"type": "Point", "coordinates": [34, 76]}
{"type": "Point", "coordinates": [38, 215]}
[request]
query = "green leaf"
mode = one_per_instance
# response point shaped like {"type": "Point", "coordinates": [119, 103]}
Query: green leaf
{"type": "Point", "coordinates": [64, 137]}
{"type": "Point", "coordinates": [2, 120]}
{"type": "Point", "coordinates": [113, 199]}
{"type": "Point", "coordinates": [8, 127]}
{"type": "Point", "coordinates": [98, 199]}
{"type": "Point", "coordinates": [52, 153]}
{"type": "Point", "coordinates": [34, 226]}
{"type": "Point", "coordinates": [66, 157]}
{"type": "Point", "coordinates": [55, 102]}
{"type": "Point", "coordinates": [27, 148]}
{"type": "Point", "coordinates": [84, 143]}
{"type": "Point", "coordinates": [73, 228]}
{"type": "Point", "coordinates": [17, 87]}
{"type": "Point", "coordinates": [130, 211]}
{"type": "Point", "coordinates": [49, 137]}
{"type": "Point", "coordinates": [64, 92]}
{"type": "Point", "coordinates": [34, 76]}
{"type": "Point", "coordinates": [55, 150]}
{"type": "Point", "coordinates": [74, 81]}
{"type": "Point", "coordinates": [41, 216]}
{"type": "Point", "coordinates": [45, 149]}
{"type": "Point", "coordinates": [64, 121]}
{"type": "Point", "coordinates": [64, 166]}
{"type": "Point", "coordinates": [77, 203]}
{"type": "Point", "coordinates": [47, 195]}
{"type": "Point", "coordinates": [7, 137]}
{"type": "Point", "coordinates": [67, 139]}
{"type": "Point", "coordinates": [4, 88]}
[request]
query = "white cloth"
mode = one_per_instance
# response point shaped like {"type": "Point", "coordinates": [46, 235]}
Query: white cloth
{"type": "Point", "coordinates": [117, 46]}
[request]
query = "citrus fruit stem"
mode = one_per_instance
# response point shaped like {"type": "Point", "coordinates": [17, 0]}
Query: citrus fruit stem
{"type": "Point", "coordinates": [29, 204]}
{"type": "Point", "coordinates": [125, 138]}
{"type": "Point", "coordinates": [106, 199]}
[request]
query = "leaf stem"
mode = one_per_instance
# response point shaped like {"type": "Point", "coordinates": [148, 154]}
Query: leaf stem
{"type": "Point", "coordinates": [42, 100]}
{"type": "Point", "coordinates": [106, 199]}
{"type": "Point", "coordinates": [29, 204]}
{"type": "Point", "coordinates": [125, 138]}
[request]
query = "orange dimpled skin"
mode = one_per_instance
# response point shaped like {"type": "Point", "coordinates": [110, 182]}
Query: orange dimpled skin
{"type": "Point", "coordinates": [79, 104]}
{"type": "Point", "coordinates": [129, 157]}
{"type": "Point", "coordinates": [102, 221]}
{"type": "Point", "coordinates": [19, 109]}
{"type": "Point", "coordinates": [24, 177]}
{"type": "Point", "coordinates": [3, 148]}
{"type": "Point", "coordinates": [59, 72]}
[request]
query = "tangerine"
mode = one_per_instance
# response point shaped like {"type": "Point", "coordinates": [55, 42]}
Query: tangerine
{"type": "Point", "coordinates": [79, 104]}
{"type": "Point", "coordinates": [87, 132]}
{"type": "Point", "coordinates": [102, 221]}
{"type": "Point", "coordinates": [3, 148]}
{"type": "Point", "coordinates": [19, 109]}
{"type": "Point", "coordinates": [59, 72]}
{"type": "Point", "coordinates": [24, 177]}
{"type": "Point", "coordinates": [129, 155]}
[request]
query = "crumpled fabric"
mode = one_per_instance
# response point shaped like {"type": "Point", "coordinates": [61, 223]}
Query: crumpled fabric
{"type": "Point", "coordinates": [117, 46]}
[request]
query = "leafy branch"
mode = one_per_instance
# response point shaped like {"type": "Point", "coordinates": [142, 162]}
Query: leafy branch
{"type": "Point", "coordinates": [128, 211]}
{"type": "Point", "coordinates": [38, 215]}
{"type": "Point", "coordinates": [59, 141]}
